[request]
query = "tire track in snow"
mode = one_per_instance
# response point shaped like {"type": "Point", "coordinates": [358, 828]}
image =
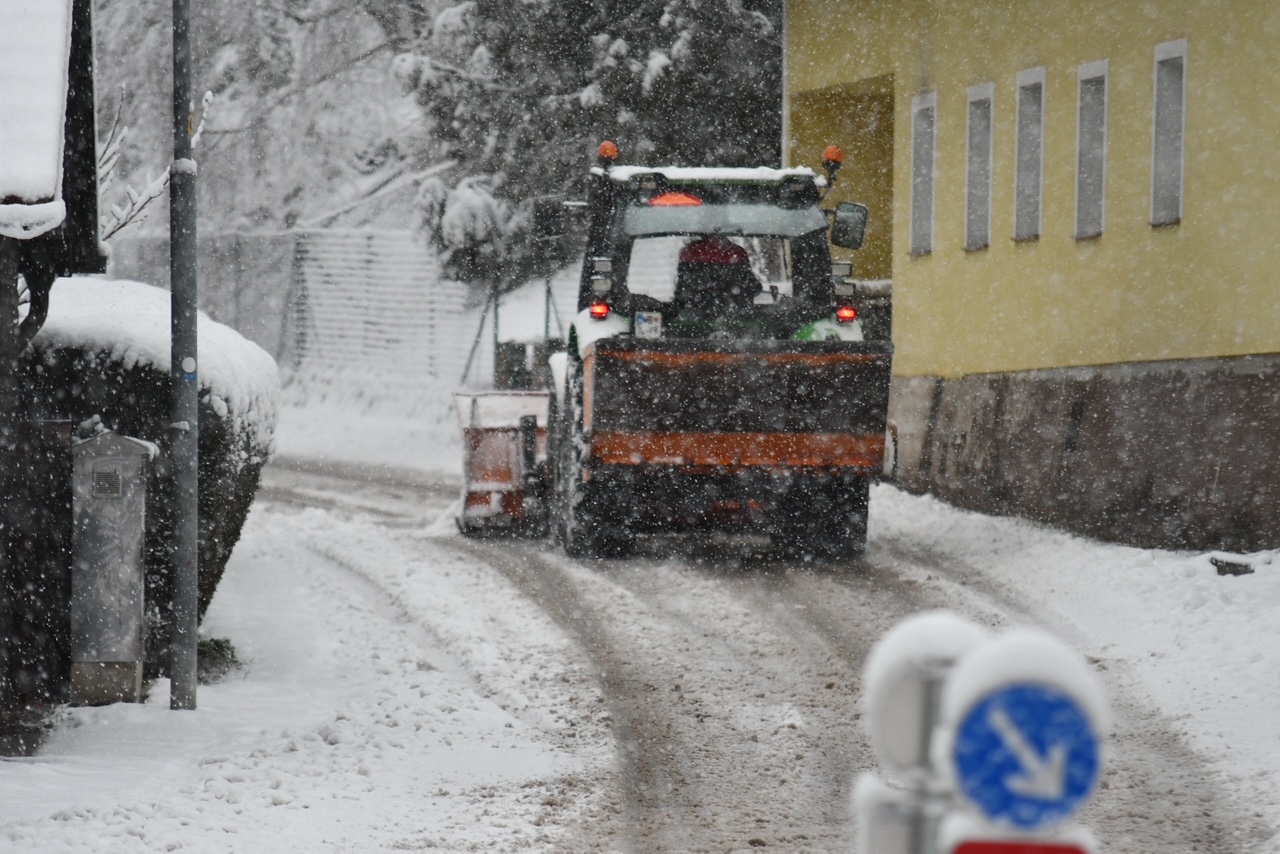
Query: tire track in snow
{"type": "Point", "coordinates": [646, 780]}
{"type": "Point", "coordinates": [1158, 794]}
{"type": "Point", "coordinates": [733, 692]}
{"type": "Point", "coordinates": [823, 621]}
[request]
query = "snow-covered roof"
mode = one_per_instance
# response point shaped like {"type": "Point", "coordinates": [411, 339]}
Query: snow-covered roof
{"type": "Point", "coordinates": [130, 321]}
{"type": "Point", "coordinates": [35, 48]}
{"type": "Point", "coordinates": [755, 174]}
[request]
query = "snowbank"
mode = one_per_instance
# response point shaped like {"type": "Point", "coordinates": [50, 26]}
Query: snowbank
{"type": "Point", "coordinates": [1192, 640]}
{"type": "Point", "coordinates": [385, 705]}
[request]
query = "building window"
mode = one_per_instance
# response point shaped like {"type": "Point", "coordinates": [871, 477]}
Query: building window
{"type": "Point", "coordinates": [977, 221]}
{"type": "Point", "coordinates": [1091, 150]}
{"type": "Point", "coordinates": [1029, 156]}
{"type": "Point", "coordinates": [1168, 131]}
{"type": "Point", "coordinates": [924, 131]}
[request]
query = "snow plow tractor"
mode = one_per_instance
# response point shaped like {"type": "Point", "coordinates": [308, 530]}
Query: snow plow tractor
{"type": "Point", "coordinates": [722, 374]}
{"type": "Point", "coordinates": [717, 375]}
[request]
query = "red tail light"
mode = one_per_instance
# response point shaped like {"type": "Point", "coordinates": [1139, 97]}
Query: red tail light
{"type": "Point", "coordinates": [599, 310]}
{"type": "Point", "coordinates": [846, 314]}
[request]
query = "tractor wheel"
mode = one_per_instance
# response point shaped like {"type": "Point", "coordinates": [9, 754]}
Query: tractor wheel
{"type": "Point", "coordinates": [591, 515]}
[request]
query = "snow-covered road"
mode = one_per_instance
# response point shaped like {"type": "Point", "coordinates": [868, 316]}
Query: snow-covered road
{"type": "Point", "coordinates": [406, 689]}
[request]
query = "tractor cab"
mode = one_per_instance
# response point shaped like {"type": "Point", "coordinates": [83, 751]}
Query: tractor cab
{"type": "Point", "coordinates": [714, 253]}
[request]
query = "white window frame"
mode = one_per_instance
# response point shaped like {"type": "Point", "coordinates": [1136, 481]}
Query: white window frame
{"type": "Point", "coordinates": [1163, 53]}
{"type": "Point", "coordinates": [921, 102]}
{"type": "Point", "coordinates": [977, 94]}
{"type": "Point", "coordinates": [1031, 77]}
{"type": "Point", "coordinates": [1092, 71]}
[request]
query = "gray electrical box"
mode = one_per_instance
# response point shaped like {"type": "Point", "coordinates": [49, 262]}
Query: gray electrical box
{"type": "Point", "coordinates": [109, 498]}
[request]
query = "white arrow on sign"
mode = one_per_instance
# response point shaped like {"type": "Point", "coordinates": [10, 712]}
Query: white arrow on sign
{"type": "Point", "coordinates": [1042, 778]}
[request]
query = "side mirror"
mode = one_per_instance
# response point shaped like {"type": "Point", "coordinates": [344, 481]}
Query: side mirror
{"type": "Point", "coordinates": [548, 218]}
{"type": "Point", "coordinates": [850, 226]}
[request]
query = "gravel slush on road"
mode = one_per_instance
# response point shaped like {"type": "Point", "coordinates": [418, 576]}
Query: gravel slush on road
{"type": "Point", "coordinates": [408, 689]}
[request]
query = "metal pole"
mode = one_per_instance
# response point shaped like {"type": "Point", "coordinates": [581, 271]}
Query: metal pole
{"type": "Point", "coordinates": [8, 451]}
{"type": "Point", "coordinates": [924, 828]}
{"type": "Point", "coordinates": [185, 428]}
{"type": "Point", "coordinates": [475, 345]}
{"type": "Point", "coordinates": [546, 319]}
{"type": "Point", "coordinates": [495, 324]}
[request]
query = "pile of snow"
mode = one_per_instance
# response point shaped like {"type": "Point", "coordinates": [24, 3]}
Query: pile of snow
{"type": "Point", "coordinates": [1195, 643]}
{"type": "Point", "coordinates": [35, 45]}
{"type": "Point", "coordinates": [130, 322]}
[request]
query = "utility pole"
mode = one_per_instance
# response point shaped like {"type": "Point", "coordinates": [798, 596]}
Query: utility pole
{"type": "Point", "coordinates": [8, 451]}
{"type": "Point", "coordinates": [183, 375]}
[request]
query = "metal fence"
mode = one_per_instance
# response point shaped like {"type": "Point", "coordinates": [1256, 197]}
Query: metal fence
{"type": "Point", "coordinates": [347, 314]}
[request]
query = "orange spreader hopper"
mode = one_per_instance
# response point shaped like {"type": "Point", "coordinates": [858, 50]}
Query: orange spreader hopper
{"type": "Point", "coordinates": [504, 459]}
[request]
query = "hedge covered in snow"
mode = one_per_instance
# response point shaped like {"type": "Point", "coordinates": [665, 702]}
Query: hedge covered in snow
{"type": "Point", "coordinates": [104, 351]}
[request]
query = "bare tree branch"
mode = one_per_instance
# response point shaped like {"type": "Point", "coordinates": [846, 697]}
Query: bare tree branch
{"type": "Point", "coordinates": [396, 182]}
{"type": "Point", "coordinates": [313, 16]}
{"type": "Point", "coordinates": [135, 210]}
{"type": "Point", "coordinates": [263, 112]}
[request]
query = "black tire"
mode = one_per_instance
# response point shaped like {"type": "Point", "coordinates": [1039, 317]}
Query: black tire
{"type": "Point", "coordinates": [591, 516]}
{"type": "Point", "coordinates": [823, 518]}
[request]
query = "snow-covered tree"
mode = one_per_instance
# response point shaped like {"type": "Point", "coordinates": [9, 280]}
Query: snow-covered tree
{"type": "Point", "coordinates": [515, 94]}
{"type": "Point", "coordinates": [521, 92]}
{"type": "Point", "coordinates": [304, 115]}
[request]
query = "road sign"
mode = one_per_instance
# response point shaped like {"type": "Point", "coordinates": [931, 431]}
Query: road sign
{"type": "Point", "coordinates": [1026, 754]}
{"type": "Point", "coordinates": [1012, 724]}
{"type": "Point", "coordinates": [1016, 847]}
{"type": "Point", "coordinates": [902, 681]}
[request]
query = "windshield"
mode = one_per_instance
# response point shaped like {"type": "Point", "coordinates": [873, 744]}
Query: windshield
{"type": "Point", "coordinates": [643, 220]}
{"type": "Point", "coordinates": [782, 210]}
{"type": "Point", "coordinates": [655, 261]}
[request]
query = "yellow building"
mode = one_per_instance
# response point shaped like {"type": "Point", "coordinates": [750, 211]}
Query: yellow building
{"type": "Point", "coordinates": [1076, 202]}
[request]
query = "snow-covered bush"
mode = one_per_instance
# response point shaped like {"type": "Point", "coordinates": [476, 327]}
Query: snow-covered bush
{"type": "Point", "coordinates": [104, 352]}
{"type": "Point", "coordinates": [466, 225]}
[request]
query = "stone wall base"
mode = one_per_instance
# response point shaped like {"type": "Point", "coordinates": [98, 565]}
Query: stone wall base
{"type": "Point", "coordinates": [1181, 454]}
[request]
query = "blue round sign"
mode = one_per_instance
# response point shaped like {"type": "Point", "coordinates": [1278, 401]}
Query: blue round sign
{"type": "Point", "coordinates": [1027, 755]}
